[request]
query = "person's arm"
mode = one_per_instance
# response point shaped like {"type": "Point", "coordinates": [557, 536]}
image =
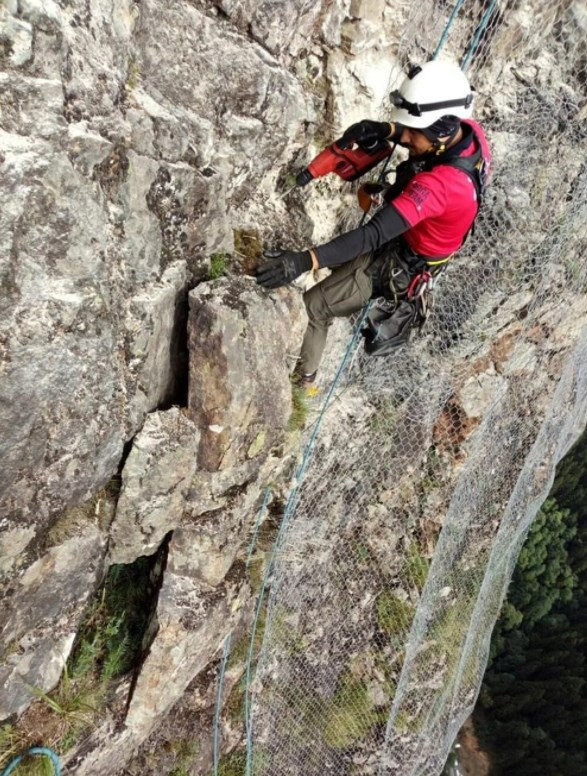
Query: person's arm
{"type": "Point", "coordinates": [283, 266]}
{"type": "Point", "coordinates": [386, 224]}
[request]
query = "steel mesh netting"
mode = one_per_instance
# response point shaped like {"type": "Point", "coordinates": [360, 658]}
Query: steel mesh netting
{"type": "Point", "coordinates": [378, 623]}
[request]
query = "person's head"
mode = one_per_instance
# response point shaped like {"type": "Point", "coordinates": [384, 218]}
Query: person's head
{"type": "Point", "coordinates": [429, 105]}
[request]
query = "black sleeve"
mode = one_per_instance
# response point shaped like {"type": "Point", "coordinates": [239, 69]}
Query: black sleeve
{"type": "Point", "coordinates": [386, 224]}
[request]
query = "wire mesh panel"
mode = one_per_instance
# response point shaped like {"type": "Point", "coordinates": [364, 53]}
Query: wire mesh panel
{"type": "Point", "coordinates": [378, 622]}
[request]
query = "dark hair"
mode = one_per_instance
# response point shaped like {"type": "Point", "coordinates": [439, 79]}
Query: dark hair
{"type": "Point", "coordinates": [445, 126]}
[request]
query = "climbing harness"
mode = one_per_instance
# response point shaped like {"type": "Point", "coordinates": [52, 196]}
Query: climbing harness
{"type": "Point", "coordinates": [390, 322]}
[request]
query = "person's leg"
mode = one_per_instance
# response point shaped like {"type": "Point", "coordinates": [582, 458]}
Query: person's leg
{"type": "Point", "coordinates": [344, 292]}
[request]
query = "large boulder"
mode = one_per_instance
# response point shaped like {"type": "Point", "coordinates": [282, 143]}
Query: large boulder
{"type": "Point", "coordinates": [239, 390]}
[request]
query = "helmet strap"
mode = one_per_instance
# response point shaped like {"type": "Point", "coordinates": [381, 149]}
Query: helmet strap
{"type": "Point", "coordinates": [440, 146]}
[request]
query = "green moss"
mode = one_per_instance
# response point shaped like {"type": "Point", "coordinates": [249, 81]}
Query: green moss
{"type": "Point", "coordinates": [248, 248]}
{"type": "Point", "coordinates": [363, 553]}
{"type": "Point", "coordinates": [257, 444]}
{"type": "Point", "coordinates": [218, 265]}
{"type": "Point", "coordinates": [235, 703]}
{"type": "Point", "coordinates": [233, 764]}
{"type": "Point", "coordinates": [97, 510]}
{"type": "Point", "coordinates": [394, 616]}
{"type": "Point", "coordinates": [415, 568]}
{"type": "Point", "coordinates": [133, 77]}
{"type": "Point", "coordinates": [407, 723]}
{"type": "Point", "coordinates": [349, 716]}
{"type": "Point", "coordinates": [239, 653]}
{"type": "Point", "coordinates": [288, 639]}
{"type": "Point", "coordinates": [256, 572]}
{"type": "Point", "coordinates": [299, 412]}
{"type": "Point", "coordinates": [184, 751]}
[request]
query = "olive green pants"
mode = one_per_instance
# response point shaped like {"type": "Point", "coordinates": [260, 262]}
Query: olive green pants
{"type": "Point", "coordinates": [343, 293]}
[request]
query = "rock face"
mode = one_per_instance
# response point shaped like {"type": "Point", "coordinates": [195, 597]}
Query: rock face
{"type": "Point", "coordinates": [38, 630]}
{"type": "Point", "coordinates": [129, 155]}
{"type": "Point", "coordinates": [141, 143]}
{"type": "Point", "coordinates": [156, 478]}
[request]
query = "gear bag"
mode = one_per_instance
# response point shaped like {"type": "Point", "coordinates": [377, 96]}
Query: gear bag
{"type": "Point", "coordinates": [407, 288]}
{"type": "Point", "coordinates": [387, 326]}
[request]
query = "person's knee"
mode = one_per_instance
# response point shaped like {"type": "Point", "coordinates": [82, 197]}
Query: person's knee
{"type": "Point", "coordinates": [315, 306]}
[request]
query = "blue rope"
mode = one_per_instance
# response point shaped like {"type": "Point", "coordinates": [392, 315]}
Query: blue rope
{"type": "Point", "coordinates": [221, 675]}
{"type": "Point", "coordinates": [260, 514]}
{"type": "Point", "coordinates": [34, 750]}
{"type": "Point", "coordinates": [478, 32]}
{"type": "Point", "coordinates": [287, 514]}
{"type": "Point", "coordinates": [222, 672]}
{"type": "Point", "coordinates": [447, 28]}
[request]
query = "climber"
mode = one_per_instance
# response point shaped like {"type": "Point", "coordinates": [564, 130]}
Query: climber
{"type": "Point", "coordinates": [426, 214]}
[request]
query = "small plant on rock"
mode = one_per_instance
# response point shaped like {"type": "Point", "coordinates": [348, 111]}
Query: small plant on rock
{"type": "Point", "coordinates": [218, 265]}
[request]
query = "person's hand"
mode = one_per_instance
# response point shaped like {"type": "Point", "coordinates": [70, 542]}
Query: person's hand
{"type": "Point", "coordinates": [371, 194]}
{"type": "Point", "coordinates": [282, 267]}
{"type": "Point", "coordinates": [366, 133]}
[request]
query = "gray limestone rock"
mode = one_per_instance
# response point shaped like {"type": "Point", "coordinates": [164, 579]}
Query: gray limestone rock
{"type": "Point", "coordinates": [193, 620]}
{"type": "Point", "coordinates": [239, 392]}
{"type": "Point", "coordinates": [39, 626]}
{"type": "Point", "coordinates": [155, 480]}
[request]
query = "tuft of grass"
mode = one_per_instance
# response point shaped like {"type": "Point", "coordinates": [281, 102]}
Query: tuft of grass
{"type": "Point", "coordinates": [133, 78]}
{"type": "Point", "coordinates": [34, 765]}
{"type": "Point", "coordinates": [299, 412]}
{"type": "Point", "coordinates": [11, 743]}
{"type": "Point", "coordinates": [108, 645]}
{"type": "Point", "coordinates": [415, 568]}
{"type": "Point", "coordinates": [233, 764]}
{"type": "Point", "coordinates": [394, 616]}
{"type": "Point", "coordinates": [349, 716]}
{"type": "Point", "coordinates": [218, 265]}
{"type": "Point", "coordinates": [75, 702]}
{"type": "Point", "coordinates": [109, 642]}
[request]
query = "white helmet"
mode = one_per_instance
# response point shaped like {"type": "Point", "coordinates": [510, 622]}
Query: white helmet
{"type": "Point", "coordinates": [430, 92]}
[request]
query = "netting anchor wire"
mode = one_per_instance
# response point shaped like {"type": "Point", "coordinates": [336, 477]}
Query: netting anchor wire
{"type": "Point", "coordinates": [221, 675]}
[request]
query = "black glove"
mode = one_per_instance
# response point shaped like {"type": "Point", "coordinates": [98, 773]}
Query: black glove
{"type": "Point", "coordinates": [282, 268]}
{"type": "Point", "coordinates": [367, 134]}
